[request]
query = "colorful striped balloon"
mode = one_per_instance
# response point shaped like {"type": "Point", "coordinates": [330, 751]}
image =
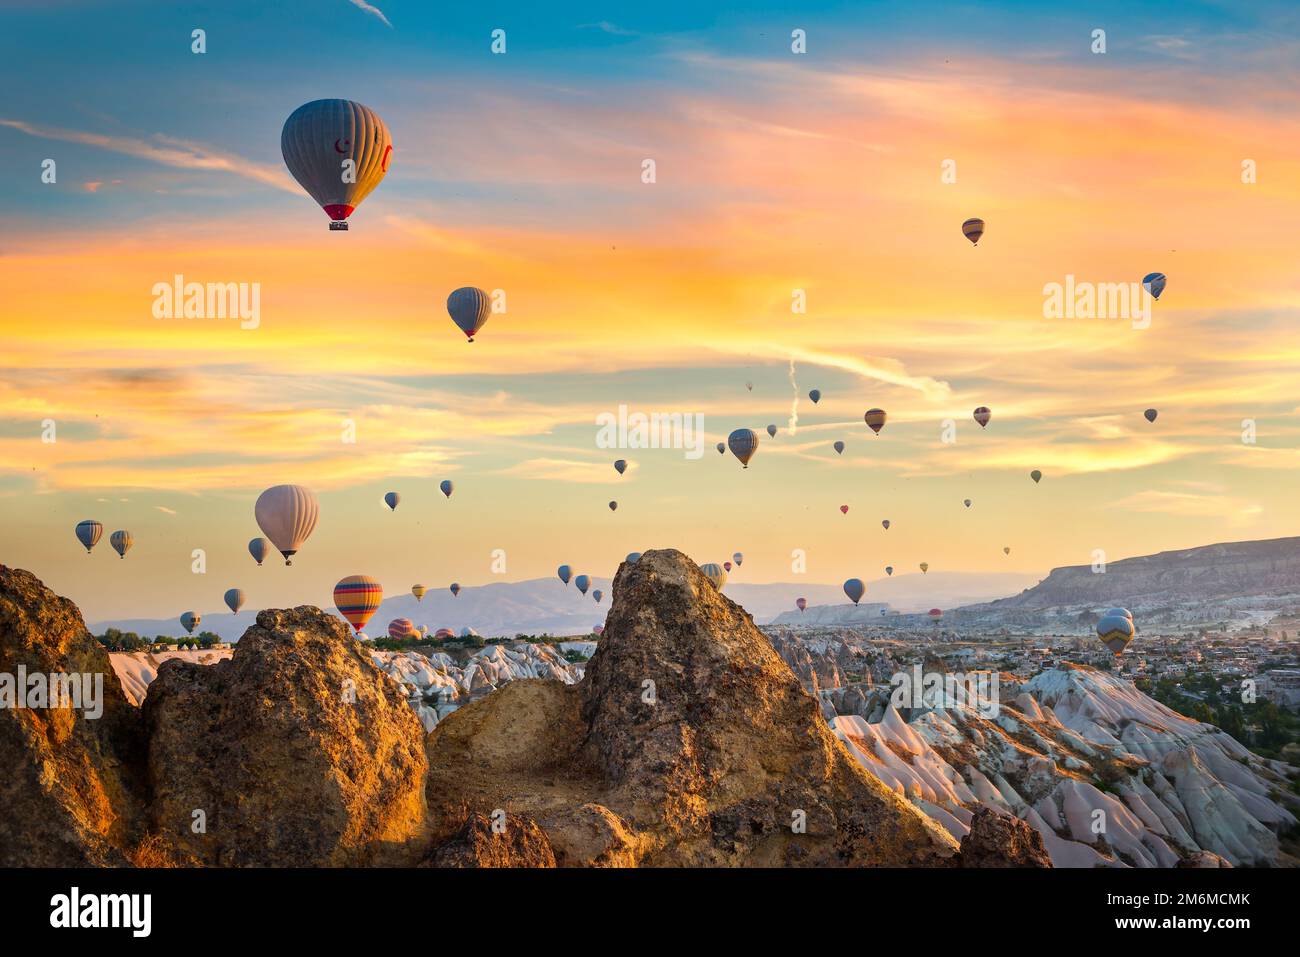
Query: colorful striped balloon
{"type": "Point", "coordinates": [89, 532]}
{"type": "Point", "coordinates": [469, 308]}
{"type": "Point", "coordinates": [121, 540]}
{"type": "Point", "coordinates": [973, 229]}
{"type": "Point", "coordinates": [320, 137]}
{"type": "Point", "coordinates": [401, 628]}
{"type": "Point", "coordinates": [357, 597]}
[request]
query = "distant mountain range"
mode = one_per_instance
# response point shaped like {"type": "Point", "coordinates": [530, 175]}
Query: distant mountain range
{"type": "Point", "coordinates": [547, 606]}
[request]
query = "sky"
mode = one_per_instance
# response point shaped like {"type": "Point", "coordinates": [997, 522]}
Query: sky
{"type": "Point", "coordinates": [840, 175]}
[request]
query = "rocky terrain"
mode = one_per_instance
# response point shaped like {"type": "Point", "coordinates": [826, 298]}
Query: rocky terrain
{"type": "Point", "coordinates": [1105, 775]}
{"type": "Point", "coordinates": [688, 741]}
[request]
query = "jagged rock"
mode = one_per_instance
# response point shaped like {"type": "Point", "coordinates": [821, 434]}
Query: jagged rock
{"type": "Point", "coordinates": [1203, 859]}
{"type": "Point", "coordinates": [692, 733]}
{"type": "Point", "coordinates": [70, 783]}
{"type": "Point", "coordinates": [999, 840]}
{"type": "Point", "coordinates": [298, 751]}
{"type": "Point", "coordinates": [521, 843]}
{"type": "Point", "coordinates": [592, 836]}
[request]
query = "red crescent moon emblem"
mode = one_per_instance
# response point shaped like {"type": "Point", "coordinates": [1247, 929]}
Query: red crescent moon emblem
{"type": "Point", "coordinates": [336, 146]}
{"type": "Point", "coordinates": [388, 151]}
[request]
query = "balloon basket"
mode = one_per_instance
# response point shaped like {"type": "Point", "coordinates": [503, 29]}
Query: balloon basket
{"type": "Point", "coordinates": [338, 225]}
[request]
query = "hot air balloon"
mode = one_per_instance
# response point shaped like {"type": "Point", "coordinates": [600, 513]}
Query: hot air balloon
{"type": "Point", "coordinates": [925, 567]}
{"type": "Point", "coordinates": [715, 573]}
{"type": "Point", "coordinates": [1122, 612]}
{"type": "Point", "coordinates": [844, 509]}
{"type": "Point", "coordinates": [469, 307]}
{"type": "Point", "coordinates": [442, 634]}
{"type": "Point", "coordinates": [357, 597]}
{"type": "Point", "coordinates": [620, 466]}
{"type": "Point", "coordinates": [447, 487]}
{"type": "Point", "coordinates": [121, 540]}
{"type": "Point", "coordinates": [726, 566]}
{"type": "Point", "coordinates": [258, 548]}
{"type": "Point", "coordinates": [721, 447]}
{"type": "Point", "coordinates": [565, 573]}
{"type": "Point", "coordinates": [454, 588]}
{"type": "Point", "coordinates": [613, 506]}
{"type": "Point", "coordinates": [801, 603]}
{"type": "Point", "coordinates": [391, 499]}
{"type": "Point", "coordinates": [583, 582]}
{"type": "Point", "coordinates": [936, 614]}
{"type": "Point", "coordinates": [982, 415]}
{"type": "Point", "coordinates": [418, 591]}
{"type": "Point", "coordinates": [889, 569]}
{"type": "Point", "coordinates": [1154, 283]}
{"type": "Point", "coordinates": [738, 558]}
{"type": "Point", "coordinates": [771, 430]}
{"type": "Point", "coordinates": [749, 386]}
{"type": "Point", "coordinates": [815, 395]}
{"type": "Point", "coordinates": [287, 514]}
{"type": "Point", "coordinates": [234, 599]}
{"type": "Point", "coordinates": [1115, 632]}
{"type": "Point", "coordinates": [839, 448]}
{"type": "Point", "coordinates": [190, 620]}
{"type": "Point", "coordinates": [885, 524]}
{"type": "Point", "coordinates": [1151, 414]}
{"type": "Point", "coordinates": [973, 229]}
{"type": "Point", "coordinates": [875, 419]}
{"type": "Point", "coordinates": [598, 595]}
{"type": "Point", "coordinates": [1006, 549]}
{"type": "Point", "coordinates": [597, 630]}
{"type": "Point", "coordinates": [1036, 476]}
{"type": "Point", "coordinates": [633, 558]}
{"type": "Point", "coordinates": [89, 532]}
{"type": "Point", "coordinates": [743, 444]}
{"type": "Point", "coordinates": [966, 502]}
{"type": "Point", "coordinates": [855, 589]}
{"type": "Point", "coordinates": [400, 629]}
{"type": "Point", "coordinates": [338, 151]}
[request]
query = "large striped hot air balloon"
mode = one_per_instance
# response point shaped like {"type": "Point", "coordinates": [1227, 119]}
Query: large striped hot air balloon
{"type": "Point", "coordinates": [287, 515]}
{"type": "Point", "coordinates": [855, 589]}
{"type": "Point", "coordinates": [190, 620]}
{"type": "Point", "coordinates": [469, 307]}
{"type": "Point", "coordinates": [121, 540]}
{"type": "Point", "coordinates": [743, 444]}
{"type": "Point", "coordinates": [1115, 631]}
{"type": "Point", "coordinates": [875, 419]}
{"type": "Point", "coordinates": [258, 548]}
{"type": "Point", "coordinates": [973, 229]}
{"type": "Point", "coordinates": [565, 573]}
{"type": "Point", "coordinates": [338, 151]}
{"type": "Point", "coordinates": [400, 629]}
{"type": "Point", "coordinates": [357, 597]}
{"type": "Point", "coordinates": [418, 591]}
{"type": "Point", "coordinates": [583, 582]}
{"type": "Point", "coordinates": [89, 532]}
{"type": "Point", "coordinates": [715, 573]}
{"type": "Point", "coordinates": [234, 599]}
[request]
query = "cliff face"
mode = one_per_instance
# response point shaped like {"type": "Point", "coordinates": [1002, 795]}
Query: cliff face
{"type": "Point", "coordinates": [71, 781]}
{"type": "Point", "coordinates": [1231, 570]}
{"type": "Point", "coordinates": [689, 742]}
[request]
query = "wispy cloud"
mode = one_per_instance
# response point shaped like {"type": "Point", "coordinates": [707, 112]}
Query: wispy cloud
{"type": "Point", "coordinates": [372, 10]}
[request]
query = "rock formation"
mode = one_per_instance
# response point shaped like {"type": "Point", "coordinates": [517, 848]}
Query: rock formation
{"type": "Point", "coordinates": [70, 781]}
{"type": "Point", "coordinates": [1000, 840]}
{"type": "Point", "coordinates": [297, 751]}
{"type": "Point", "coordinates": [689, 742]}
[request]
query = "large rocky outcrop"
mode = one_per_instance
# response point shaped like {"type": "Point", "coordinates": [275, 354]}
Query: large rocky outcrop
{"type": "Point", "coordinates": [297, 751]}
{"type": "Point", "coordinates": [1000, 840]}
{"type": "Point", "coordinates": [70, 782]}
{"type": "Point", "coordinates": [689, 742]}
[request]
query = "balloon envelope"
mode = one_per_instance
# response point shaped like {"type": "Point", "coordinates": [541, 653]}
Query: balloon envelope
{"type": "Point", "coordinates": [357, 597]}
{"type": "Point", "coordinates": [234, 599]}
{"type": "Point", "coordinates": [855, 589]}
{"type": "Point", "coordinates": [885, 524]}
{"type": "Point", "coordinates": [318, 140]}
{"type": "Point", "coordinates": [418, 591]}
{"type": "Point", "coordinates": [1036, 476]}
{"type": "Point", "coordinates": [982, 415]}
{"type": "Point", "coordinates": [89, 532]}
{"type": "Point", "coordinates": [613, 506]}
{"type": "Point", "coordinates": [721, 447]}
{"type": "Point", "coordinates": [844, 509]}
{"type": "Point", "coordinates": [771, 430]}
{"type": "Point", "coordinates": [815, 395]}
{"type": "Point", "coordinates": [400, 628]}
{"type": "Point", "coordinates": [121, 540]}
{"type": "Point", "coordinates": [447, 487]}
{"type": "Point", "coordinates": [1154, 283]}
{"type": "Point", "coordinates": [454, 588]}
{"type": "Point", "coordinates": [839, 448]}
{"type": "Point", "coordinates": [391, 499]}
{"type": "Point", "coordinates": [801, 603]}
{"type": "Point", "coordinates": [583, 582]}
{"type": "Point", "coordinates": [565, 573]}
{"type": "Point", "coordinates": [973, 229]}
{"type": "Point", "coordinates": [469, 307]}
{"type": "Point", "coordinates": [287, 514]}
{"type": "Point", "coordinates": [190, 621]}
{"type": "Point", "coordinates": [925, 567]}
{"type": "Point", "coordinates": [259, 548]}
{"type": "Point", "coordinates": [620, 466]}
{"type": "Point", "coordinates": [598, 595]}
{"type": "Point", "coordinates": [875, 419]}
{"type": "Point", "coordinates": [1150, 415]}
{"type": "Point", "coordinates": [743, 444]}
{"type": "Point", "coordinates": [738, 558]}
{"type": "Point", "coordinates": [715, 573]}
{"type": "Point", "coordinates": [633, 558]}
{"type": "Point", "coordinates": [1115, 632]}
{"type": "Point", "coordinates": [889, 569]}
